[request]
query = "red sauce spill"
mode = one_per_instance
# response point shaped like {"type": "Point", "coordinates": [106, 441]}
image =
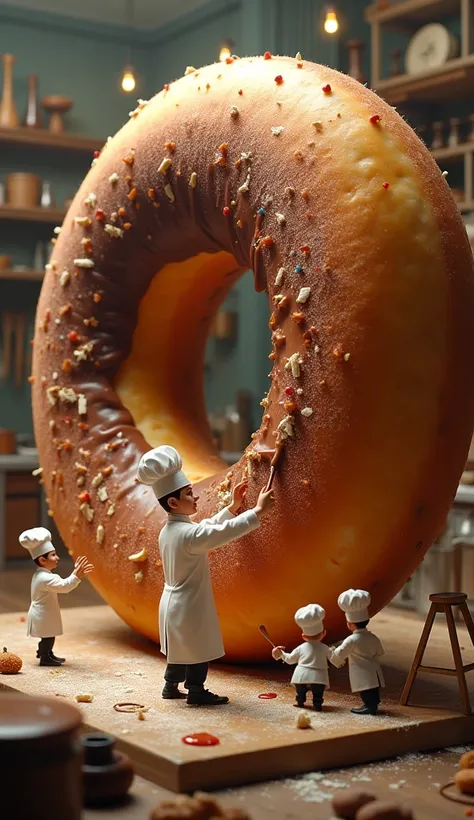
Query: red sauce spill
{"type": "Point", "coordinates": [268, 695]}
{"type": "Point", "coordinates": [201, 739]}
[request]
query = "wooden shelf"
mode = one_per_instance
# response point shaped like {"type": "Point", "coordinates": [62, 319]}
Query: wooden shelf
{"type": "Point", "coordinates": [449, 153]}
{"type": "Point", "coordinates": [412, 13]}
{"type": "Point", "coordinates": [41, 137]}
{"type": "Point", "coordinates": [24, 275]}
{"type": "Point", "coordinates": [52, 215]}
{"type": "Point", "coordinates": [450, 81]}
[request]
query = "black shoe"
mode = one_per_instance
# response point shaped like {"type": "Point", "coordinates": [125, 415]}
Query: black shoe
{"type": "Point", "coordinates": [364, 710]}
{"type": "Point", "coordinates": [55, 657]}
{"type": "Point", "coordinates": [317, 707]}
{"type": "Point", "coordinates": [300, 704]}
{"type": "Point", "coordinates": [47, 660]}
{"type": "Point", "coordinates": [206, 698]}
{"type": "Point", "coordinates": [171, 692]}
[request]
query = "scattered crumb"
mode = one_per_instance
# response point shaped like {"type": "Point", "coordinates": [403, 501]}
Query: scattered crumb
{"type": "Point", "coordinates": [84, 698]}
{"type": "Point", "coordinates": [303, 720]}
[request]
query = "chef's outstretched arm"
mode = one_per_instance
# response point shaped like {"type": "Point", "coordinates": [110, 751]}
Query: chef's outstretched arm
{"type": "Point", "coordinates": [339, 656]}
{"type": "Point", "coordinates": [63, 585]}
{"type": "Point", "coordinates": [238, 497]}
{"type": "Point", "coordinates": [207, 536]}
{"type": "Point", "coordinates": [289, 657]}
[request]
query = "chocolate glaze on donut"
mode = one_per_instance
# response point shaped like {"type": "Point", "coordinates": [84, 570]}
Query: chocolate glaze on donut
{"type": "Point", "coordinates": [271, 164]}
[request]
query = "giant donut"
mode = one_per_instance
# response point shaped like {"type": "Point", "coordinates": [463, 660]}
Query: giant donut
{"type": "Point", "coordinates": [304, 175]}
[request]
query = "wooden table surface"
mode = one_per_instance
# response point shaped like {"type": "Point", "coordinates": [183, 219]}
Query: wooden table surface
{"type": "Point", "coordinates": [414, 779]}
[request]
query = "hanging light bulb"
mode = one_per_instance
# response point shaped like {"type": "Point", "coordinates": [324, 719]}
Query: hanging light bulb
{"type": "Point", "coordinates": [331, 23]}
{"type": "Point", "coordinates": [224, 54]}
{"type": "Point", "coordinates": [225, 50]}
{"type": "Point", "coordinates": [128, 82]}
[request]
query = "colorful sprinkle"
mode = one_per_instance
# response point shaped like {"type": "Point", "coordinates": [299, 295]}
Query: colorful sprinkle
{"type": "Point", "coordinates": [289, 391]}
{"type": "Point", "coordinates": [261, 211]}
{"type": "Point", "coordinates": [385, 185]}
{"type": "Point", "coordinates": [327, 88]}
{"type": "Point", "coordinates": [279, 79]}
{"type": "Point", "coordinates": [374, 119]}
{"type": "Point", "coordinates": [268, 695]}
{"type": "Point", "coordinates": [164, 165]}
{"type": "Point", "coordinates": [240, 91]}
{"type": "Point", "coordinates": [298, 269]}
{"type": "Point", "coordinates": [226, 210]}
{"type": "Point", "coordinates": [267, 55]}
{"type": "Point", "coordinates": [305, 249]}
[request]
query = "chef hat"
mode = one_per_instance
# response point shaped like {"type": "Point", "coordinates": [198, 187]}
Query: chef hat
{"type": "Point", "coordinates": [355, 603]}
{"type": "Point", "coordinates": [310, 619]}
{"type": "Point", "coordinates": [37, 541]}
{"type": "Point", "coordinates": [160, 468]}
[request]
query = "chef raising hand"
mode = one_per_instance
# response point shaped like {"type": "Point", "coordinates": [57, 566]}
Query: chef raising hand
{"type": "Point", "coordinates": [44, 616]}
{"type": "Point", "coordinates": [82, 567]}
{"type": "Point", "coordinates": [238, 496]}
{"type": "Point", "coordinates": [264, 502]}
{"type": "Point", "coordinates": [190, 635]}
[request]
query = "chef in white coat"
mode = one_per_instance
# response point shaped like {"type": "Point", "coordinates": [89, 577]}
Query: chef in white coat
{"type": "Point", "coordinates": [363, 650]}
{"type": "Point", "coordinates": [44, 615]}
{"type": "Point", "coordinates": [189, 626]}
{"type": "Point", "coordinates": [311, 656]}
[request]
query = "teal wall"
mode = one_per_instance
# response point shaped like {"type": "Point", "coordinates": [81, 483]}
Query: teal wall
{"type": "Point", "coordinates": [84, 61]}
{"type": "Point", "coordinates": [81, 61]}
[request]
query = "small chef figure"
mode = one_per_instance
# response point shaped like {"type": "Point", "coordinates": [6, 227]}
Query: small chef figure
{"type": "Point", "coordinates": [189, 626]}
{"type": "Point", "coordinates": [363, 649]}
{"type": "Point", "coordinates": [44, 616]}
{"type": "Point", "coordinates": [311, 656]}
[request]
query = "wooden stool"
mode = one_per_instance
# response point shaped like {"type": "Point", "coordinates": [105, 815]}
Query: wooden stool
{"type": "Point", "coordinates": [444, 602]}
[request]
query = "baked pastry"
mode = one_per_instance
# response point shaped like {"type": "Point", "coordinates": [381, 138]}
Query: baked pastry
{"type": "Point", "coordinates": [310, 179]}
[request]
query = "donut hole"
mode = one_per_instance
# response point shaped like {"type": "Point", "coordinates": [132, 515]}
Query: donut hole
{"type": "Point", "coordinates": [161, 381]}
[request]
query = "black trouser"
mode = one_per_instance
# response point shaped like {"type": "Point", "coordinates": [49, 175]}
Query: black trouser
{"type": "Point", "coordinates": [317, 690]}
{"type": "Point", "coordinates": [371, 697]}
{"type": "Point", "coordinates": [193, 675]}
{"type": "Point", "coordinates": [45, 647]}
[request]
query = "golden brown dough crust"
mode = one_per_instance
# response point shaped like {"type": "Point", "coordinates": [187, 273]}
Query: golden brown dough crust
{"type": "Point", "coordinates": [276, 164]}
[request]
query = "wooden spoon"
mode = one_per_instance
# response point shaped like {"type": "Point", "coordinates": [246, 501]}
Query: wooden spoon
{"type": "Point", "coordinates": [263, 630]}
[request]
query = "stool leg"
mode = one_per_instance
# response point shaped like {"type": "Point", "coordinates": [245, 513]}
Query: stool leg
{"type": "Point", "coordinates": [453, 636]}
{"type": "Point", "coordinates": [457, 572]}
{"type": "Point", "coordinates": [418, 654]}
{"type": "Point", "coordinates": [468, 620]}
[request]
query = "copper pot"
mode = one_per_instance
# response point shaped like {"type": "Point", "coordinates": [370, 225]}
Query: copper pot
{"type": "Point", "coordinates": [41, 758]}
{"type": "Point", "coordinates": [23, 190]}
{"type": "Point", "coordinates": [7, 442]}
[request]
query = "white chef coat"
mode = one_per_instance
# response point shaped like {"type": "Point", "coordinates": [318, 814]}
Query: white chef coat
{"type": "Point", "coordinates": [363, 649]}
{"type": "Point", "coordinates": [44, 615]}
{"type": "Point", "coordinates": [189, 624]}
{"type": "Point", "coordinates": [311, 658]}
